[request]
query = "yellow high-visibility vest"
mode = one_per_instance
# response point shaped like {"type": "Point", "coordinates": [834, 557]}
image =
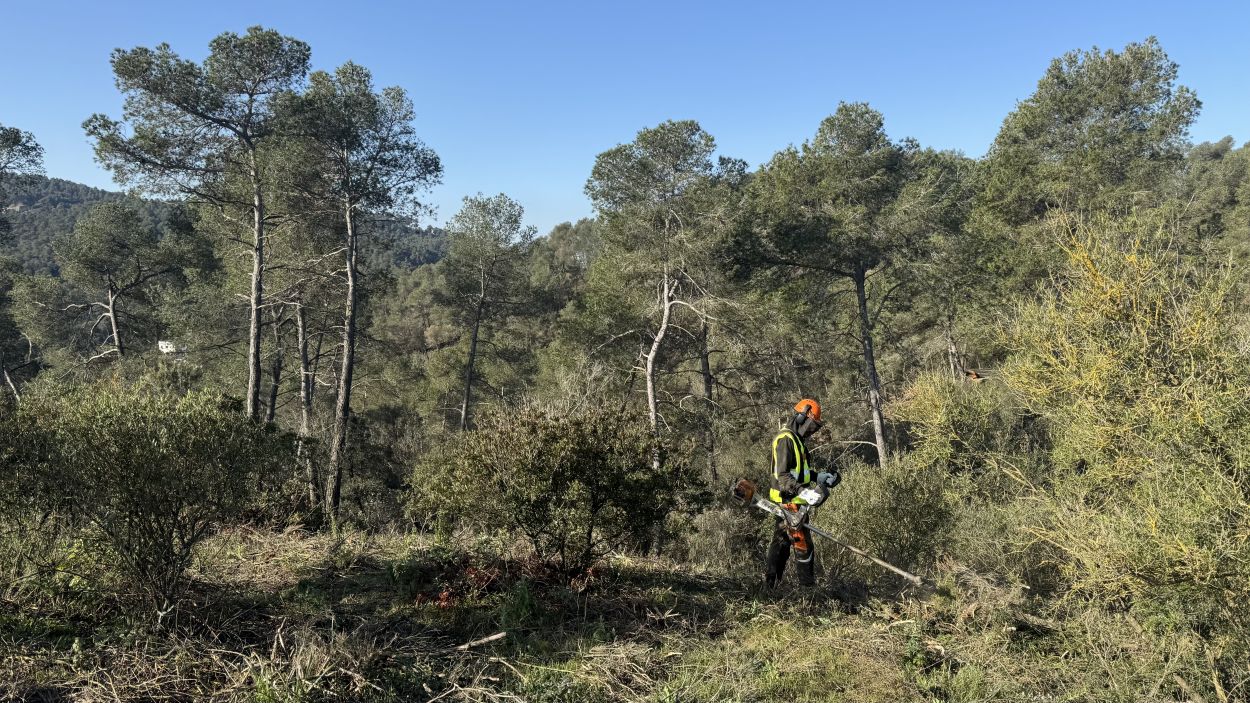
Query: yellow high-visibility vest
{"type": "Point", "coordinates": [802, 471]}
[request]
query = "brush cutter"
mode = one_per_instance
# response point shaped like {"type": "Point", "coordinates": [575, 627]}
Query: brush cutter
{"type": "Point", "coordinates": [744, 493]}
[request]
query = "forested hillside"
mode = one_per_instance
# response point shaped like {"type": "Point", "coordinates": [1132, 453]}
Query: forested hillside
{"type": "Point", "coordinates": [268, 436]}
{"type": "Point", "coordinates": [39, 210]}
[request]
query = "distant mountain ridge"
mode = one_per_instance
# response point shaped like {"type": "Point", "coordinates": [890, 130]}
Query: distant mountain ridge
{"type": "Point", "coordinates": [39, 210]}
{"type": "Point", "coordinates": [45, 207]}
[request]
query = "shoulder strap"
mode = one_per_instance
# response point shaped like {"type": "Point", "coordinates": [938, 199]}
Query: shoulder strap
{"type": "Point", "coordinates": [794, 442]}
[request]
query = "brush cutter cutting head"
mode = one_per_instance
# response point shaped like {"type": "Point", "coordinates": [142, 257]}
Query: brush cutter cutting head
{"type": "Point", "coordinates": [744, 491]}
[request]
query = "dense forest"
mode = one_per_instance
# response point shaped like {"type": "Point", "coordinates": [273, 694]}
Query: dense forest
{"type": "Point", "coordinates": [267, 435]}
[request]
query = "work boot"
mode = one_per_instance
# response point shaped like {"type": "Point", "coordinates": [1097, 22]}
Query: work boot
{"type": "Point", "coordinates": [805, 566]}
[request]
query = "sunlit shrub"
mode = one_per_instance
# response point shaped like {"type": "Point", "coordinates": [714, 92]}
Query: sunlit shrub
{"type": "Point", "coordinates": [146, 474]}
{"type": "Point", "coordinates": [575, 486]}
{"type": "Point", "coordinates": [995, 456]}
{"type": "Point", "coordinates": [899, 512]}
{"type": "Point", "coordinates": [1138, 365]}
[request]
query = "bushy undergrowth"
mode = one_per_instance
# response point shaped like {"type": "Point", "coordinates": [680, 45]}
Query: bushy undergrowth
{"type": "Point", "coordinates": [136, 475]}
{"type": "Point", "coordinates": [1105, 466]}
{"type": "Point", "coordinates": [989, 454]}
{"type": "Point", "coordinates": [575, 486]}
{"type": "Point", "coordinates": [901, 512]}
{"type": "Point", "coordinates": [1138, 366]}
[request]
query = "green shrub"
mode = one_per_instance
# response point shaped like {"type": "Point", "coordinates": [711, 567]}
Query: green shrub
{"type": "Point", "coordinates": [575, 486]}
{"type": "Point", "coordinates": [899, 512]}
{"type": "Point", "coordinates": [379, 460]}
{"type": "Point", "coordinates": [994, 454]}
{"type": "Point", "coordinates": [1138, 365]}
{"type": "Point", "coordinates": [966, 428]}
{"type": "Point", "coordinates": [148, 475]}
{"type": "Point", "coordinates": [731, 538]}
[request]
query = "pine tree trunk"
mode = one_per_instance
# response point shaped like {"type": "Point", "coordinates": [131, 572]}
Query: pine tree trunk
{"type": "Point", "coordinates": [471, 364]}
{"type": "Point", "coordinates": [653, 405]}
{"type": "Point", "coordinates": [256, 299]}
{"type": "Point", "coordinates": [342, 405]}
{"type": "Point", "coordinates": [302, 454]}
{"type": "Point", "coordinates": [870, 364]}
{"type": "Point", "coordinates": [705, 368]}
{"type": "Point", "coordinates": [275, 372]}
{"type": "Point", "coordinates": [117, 336]}
{"type": "Point", "coordinates": [952, 350]}
{"type": "Point", "coordinates": [467, 397]}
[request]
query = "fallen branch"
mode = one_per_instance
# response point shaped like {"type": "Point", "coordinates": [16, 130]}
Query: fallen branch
{"type": "Point", "coordinates": [484, 640]}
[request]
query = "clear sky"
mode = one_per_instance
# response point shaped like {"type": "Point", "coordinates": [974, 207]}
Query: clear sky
{"type": "Point", "coordinates": [519, 97]}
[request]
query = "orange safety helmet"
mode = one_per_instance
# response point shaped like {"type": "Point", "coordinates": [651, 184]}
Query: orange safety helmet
{"type": "Point", "coordinates": [809, 407]}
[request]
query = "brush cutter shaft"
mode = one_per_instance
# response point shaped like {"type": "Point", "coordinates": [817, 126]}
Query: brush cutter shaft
{"type": "Point", "coordinates": [770, 507]}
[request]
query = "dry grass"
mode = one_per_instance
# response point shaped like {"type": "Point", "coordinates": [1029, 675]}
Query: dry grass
{"type": "Point", "coordinates": [289, 616]}
{"type": "Point", "coordinates": [307, 617]}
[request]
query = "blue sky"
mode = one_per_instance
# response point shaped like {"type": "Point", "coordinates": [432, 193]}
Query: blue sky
{"type": "Point", "coordinates": [519, 97]}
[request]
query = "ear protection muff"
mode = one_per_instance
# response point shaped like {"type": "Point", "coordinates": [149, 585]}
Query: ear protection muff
{"type": "Point", "coordinates": [802, 415]}
{"type": "Point", "coordinates": [808, 426]}
{"type": "Point", "coordinates": [807, 417]}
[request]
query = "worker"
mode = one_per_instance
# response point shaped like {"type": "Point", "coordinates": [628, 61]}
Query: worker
{"type": "Point", "coordinates": [798, 489]}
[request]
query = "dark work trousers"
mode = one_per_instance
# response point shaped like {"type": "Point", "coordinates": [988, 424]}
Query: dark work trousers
{"type": "Point", "coordinates": [779, 553]}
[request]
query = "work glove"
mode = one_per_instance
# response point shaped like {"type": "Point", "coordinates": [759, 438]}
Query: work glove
{"type": "Point", "coordinates": [814, 494]}
{"type": "Point", "coordinates": [829, 479]}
